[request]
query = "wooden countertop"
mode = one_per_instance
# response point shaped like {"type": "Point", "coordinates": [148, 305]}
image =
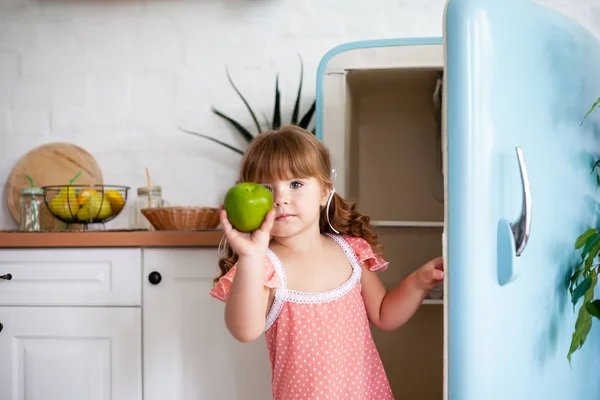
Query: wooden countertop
{"type": "Point", "coordinates": [118, 238]}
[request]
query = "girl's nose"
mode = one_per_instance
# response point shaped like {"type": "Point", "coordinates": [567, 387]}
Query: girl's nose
{"type": "Point", "coordinates": [279, 199]}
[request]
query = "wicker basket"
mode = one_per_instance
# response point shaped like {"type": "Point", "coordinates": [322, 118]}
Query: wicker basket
{"type": "Point", "coordinates": [182, 218]}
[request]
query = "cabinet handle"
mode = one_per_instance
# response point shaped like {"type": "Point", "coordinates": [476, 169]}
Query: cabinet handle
{"type": "Point", "coordinates": [7, 277]}
{"type": "Point", "coordinates": [1, 326]}
{"type": "Point", "coordinates": [154, 278]}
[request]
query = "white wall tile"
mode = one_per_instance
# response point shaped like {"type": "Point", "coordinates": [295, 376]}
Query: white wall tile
{"type": "Point", "coordinates": [119, 77]}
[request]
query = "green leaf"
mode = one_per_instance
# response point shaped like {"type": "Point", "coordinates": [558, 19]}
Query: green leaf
{"type": "Point", "coordinates": [244, 100]}
{"type": "Point", "coordinates": [589, 245]}
{"type": "Point", "coordinates": [595, 165]}
{"type": "Point", "coordinates": [305, 121]}
{"type": "Point", "coordinates": [277, 109]}
{"type": "Point", "coordinates": [584, 321]}
{"type": "Point", "coordinates": [592, 109]}
{"type": "Point", "coordinates": [581, 289]}
{"type": "Point", "coordinates": [243, 131]}
{"type": "Point", "coordinates": [582, 328]}
{"type": "Point", "coordinates": [573, 280]}
{"type": "Point", "coordinates": [584, 237]}
{"type": "Point", "coordinates": [267, 122]}
{"type": "Point", "coordinates": [214, 140]}
{"type": "Point", "coordinates": [592, 255]}
{"type": "Point", "coordinates": [299, 95]}
{"type": "Point", "coordinates": [593, 307]}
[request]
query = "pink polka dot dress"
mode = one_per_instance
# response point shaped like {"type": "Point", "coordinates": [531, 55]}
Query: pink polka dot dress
{"type": "Point", "coordinates": [320, 344]}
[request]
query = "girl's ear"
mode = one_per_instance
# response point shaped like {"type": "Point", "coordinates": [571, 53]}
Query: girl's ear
{"type": "Point", "coordinates": [325, 195]}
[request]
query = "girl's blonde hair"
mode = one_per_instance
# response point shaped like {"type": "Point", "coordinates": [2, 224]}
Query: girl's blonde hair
{"type": "Point", "coordinates": [292, 152]}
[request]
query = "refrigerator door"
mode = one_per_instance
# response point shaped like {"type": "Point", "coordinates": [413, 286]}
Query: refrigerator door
{"type": "Point", "coordinates": [519, 80]}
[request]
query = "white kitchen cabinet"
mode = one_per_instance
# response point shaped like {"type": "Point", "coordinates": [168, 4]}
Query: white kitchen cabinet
{"type": "Point", "coordinates": [70, 353]}
{"type": "Point", "coordinates": [116, 324]}
{"type": "Point", "coordinates": [188, 352]}
{"type": "Point", "coordinates": [70, 324]}
{"type": "Point", "coordinates": [77, 277]}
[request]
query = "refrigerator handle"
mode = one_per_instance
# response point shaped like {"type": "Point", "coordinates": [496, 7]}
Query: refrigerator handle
{"type": "Point", "coordinates": [522, 225]}
{"type": "Point", "coordinates": [513, 236]}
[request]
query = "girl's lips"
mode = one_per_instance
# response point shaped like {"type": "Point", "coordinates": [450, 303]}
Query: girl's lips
{"type": "Point", "coordinates": [283, 216]}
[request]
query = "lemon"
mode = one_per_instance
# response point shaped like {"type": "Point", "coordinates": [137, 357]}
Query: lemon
{"type": "Point", "coordinates": [116, 200]}
{"type": "Point", "coordinates": [64, 205]}
{"type": "Point", "coordinates": [83, 196]}
{"type": "Point", "coordinates": [94, 208]}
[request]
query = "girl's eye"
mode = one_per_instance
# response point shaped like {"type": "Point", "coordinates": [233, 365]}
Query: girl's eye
{"type": "Point", "coordinates": [296, 184]}
{"type": "Point", "coordinates": [268, 187]}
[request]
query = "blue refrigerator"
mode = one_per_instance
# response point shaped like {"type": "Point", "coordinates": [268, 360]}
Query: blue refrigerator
{"type": "Point", "coordinates": [507, 86]}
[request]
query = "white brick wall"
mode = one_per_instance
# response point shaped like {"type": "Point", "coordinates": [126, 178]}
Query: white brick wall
{"type": "Point", "coordinates": [118, 77]}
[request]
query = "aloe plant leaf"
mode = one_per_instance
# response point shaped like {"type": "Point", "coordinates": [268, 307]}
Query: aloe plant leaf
{"type": "Point", "coordinates": [297, 105]}
{"type": "Point", "coordinates": [214, 140]}
{"type": "Point", "coordinates": [277, 109]}
{"type": "Point", "coordinates": [305, 121]}
{"type": "Point", "coordinates": [244, 100]}
{"type": "Point", "coordinates": [267, 122]}
{"type": "Point", "coordinates": [243, 131]}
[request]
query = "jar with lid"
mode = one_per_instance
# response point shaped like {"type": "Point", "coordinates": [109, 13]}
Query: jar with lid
{"type": "Point", "coordinates": [147, 197]}
{"type": "Point", "coordinates": [31, 204]}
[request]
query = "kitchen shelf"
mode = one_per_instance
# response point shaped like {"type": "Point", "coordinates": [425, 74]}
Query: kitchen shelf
{"type": "Point", "coordinates": [407, 224]}
{"type": "Point", "coordinates": [433, 301]}
{"type": "Point", "coordinates": [108, 238]}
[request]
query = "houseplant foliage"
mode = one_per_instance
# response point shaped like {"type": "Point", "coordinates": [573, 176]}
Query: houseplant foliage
{"type": "Point", "coordinates": [585, 275]}
{"type": "Point", "coordinates": [274, 123]}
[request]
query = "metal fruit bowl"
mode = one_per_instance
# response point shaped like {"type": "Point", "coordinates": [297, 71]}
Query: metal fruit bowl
{"type": "Point", "coordinates": [85, 204]}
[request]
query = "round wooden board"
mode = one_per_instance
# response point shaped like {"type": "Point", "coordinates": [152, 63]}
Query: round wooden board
{"type": "Point", "coordinates": [51, 164]}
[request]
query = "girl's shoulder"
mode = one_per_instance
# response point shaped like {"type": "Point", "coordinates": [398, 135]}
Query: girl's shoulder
{"type": "Point", "coordinates": [365, 253]}
{"type": "Point", "coordinates": [221, 289]}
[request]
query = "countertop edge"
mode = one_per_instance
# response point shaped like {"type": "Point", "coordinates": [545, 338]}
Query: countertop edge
{"type": "Point", "coordinates": [110, 239]}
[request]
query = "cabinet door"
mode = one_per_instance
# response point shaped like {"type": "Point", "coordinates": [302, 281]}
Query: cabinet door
{"type": "Point", "coordinates": [188, 352]}
{"type": "Point", "coordinates": [49, 353]}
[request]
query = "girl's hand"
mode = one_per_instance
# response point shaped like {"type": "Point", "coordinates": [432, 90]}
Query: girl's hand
{"type": "Point", "coordinates": [430, 274]}
{"type": "Point", "coordinates": [250, 245]}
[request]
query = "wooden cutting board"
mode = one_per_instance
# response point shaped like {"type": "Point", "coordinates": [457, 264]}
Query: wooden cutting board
{"type": "Point", "coordinates": [51, 164]}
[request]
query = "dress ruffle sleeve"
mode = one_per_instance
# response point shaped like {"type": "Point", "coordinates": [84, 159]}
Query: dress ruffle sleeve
{"type": "Point", "coordinates": [220, 290]}
{"type": "Point", "coordinates": [365, 254]}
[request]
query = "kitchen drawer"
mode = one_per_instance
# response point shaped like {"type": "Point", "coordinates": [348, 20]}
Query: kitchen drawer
{"type": "Point", "coordinates": [100, 277]}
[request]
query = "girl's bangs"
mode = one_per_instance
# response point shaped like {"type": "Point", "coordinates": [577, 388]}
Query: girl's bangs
{"type": "Point", "coordinates": [279, 160]}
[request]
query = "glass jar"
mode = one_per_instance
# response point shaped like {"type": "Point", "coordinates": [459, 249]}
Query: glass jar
{"type": "Point", "coordinates": [31, 202]}
{"type": "Point", "coordinates": [147, 197]}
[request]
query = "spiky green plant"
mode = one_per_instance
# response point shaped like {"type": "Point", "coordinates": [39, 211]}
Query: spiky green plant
{"type": "Point", "coordinates": [275, 123]}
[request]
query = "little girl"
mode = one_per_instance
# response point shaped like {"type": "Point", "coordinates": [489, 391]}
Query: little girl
{"type": "Point", "coordinates": [307, 278]}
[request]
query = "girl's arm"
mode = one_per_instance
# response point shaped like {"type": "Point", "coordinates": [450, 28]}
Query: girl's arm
{"type": "Point", "coordinates": [388, 310]}
{"type": "Point", "coordinates": [246, 307]}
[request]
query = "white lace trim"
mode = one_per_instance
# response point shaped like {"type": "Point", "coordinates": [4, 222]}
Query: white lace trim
{"type": "Point", "coordinates": [280, 292]}
{"type": "Point", "coordinates": [283, 294]}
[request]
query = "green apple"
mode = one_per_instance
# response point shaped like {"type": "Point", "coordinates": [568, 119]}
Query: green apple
{"type": "Point", "coordinates": [247, 205]}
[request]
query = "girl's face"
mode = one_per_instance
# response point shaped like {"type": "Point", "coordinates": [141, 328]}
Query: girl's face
{"type": "Point", "coordinates": [297, 203]}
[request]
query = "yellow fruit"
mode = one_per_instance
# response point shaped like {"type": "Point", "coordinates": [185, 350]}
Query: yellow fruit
{"type": "Point", "coordinates": [116, 200]}
{"type": "Point", "coordinates": [83, 196]}
{"type": "Point", "coordinates": [95, 208]}
{"type": "Point", "coordinates": [64, 204]}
